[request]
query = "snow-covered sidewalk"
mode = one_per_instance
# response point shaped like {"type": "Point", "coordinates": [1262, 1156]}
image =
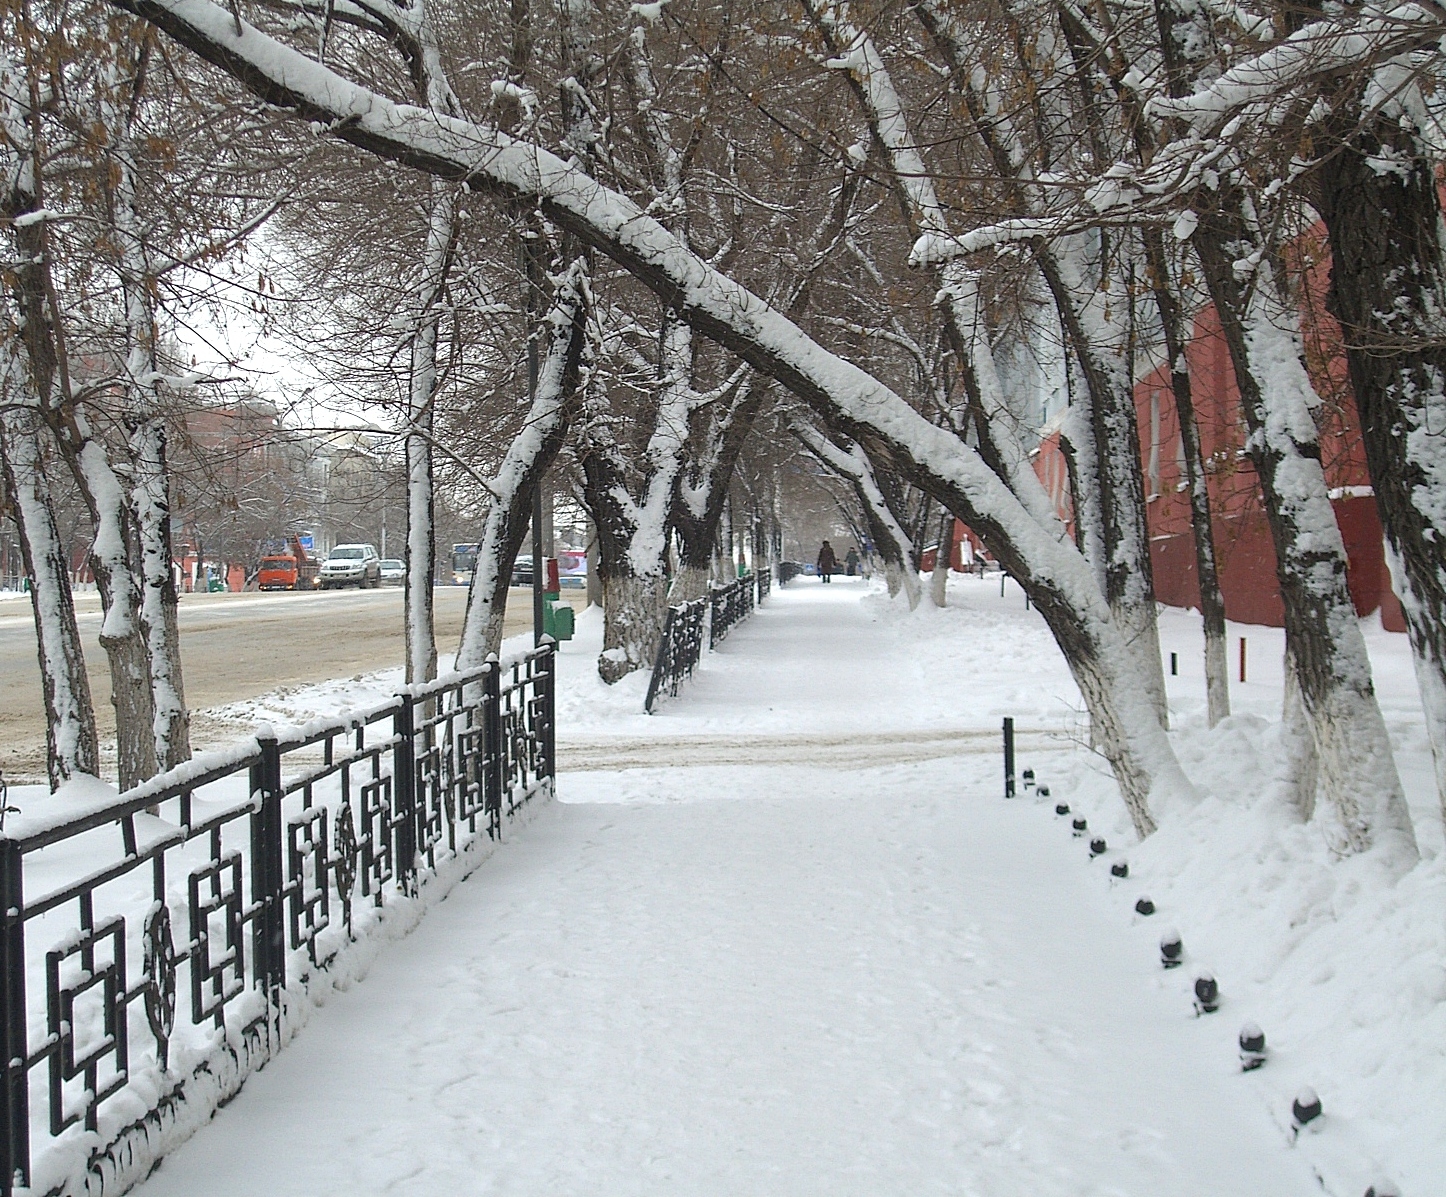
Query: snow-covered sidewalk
{"type": "Point", "coordinates": [770, 976]}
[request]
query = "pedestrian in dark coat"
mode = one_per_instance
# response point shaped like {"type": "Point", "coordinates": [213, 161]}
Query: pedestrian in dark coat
{"type": "Point", "coordinates": [827, 562]}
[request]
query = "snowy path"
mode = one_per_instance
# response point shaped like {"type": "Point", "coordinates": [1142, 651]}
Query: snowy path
{"type": "Point", "coordinates": [767, 977]}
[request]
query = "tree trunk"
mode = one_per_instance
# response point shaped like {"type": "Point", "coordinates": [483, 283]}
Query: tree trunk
{"type": "Point", "coordinates": [634, 609]}
{"type": "Point", "coordinates": [939, 583]}
{"type": "Point", "coordinates": [421, 556]}
{"type": "Point", "coordinates": [1357, 769]}
{"type": "Point", "coordinates": [527, 459]}
{"type": "Point", "coordinates": [1388, 290]}
{"type": "Point", "coordinates": [71, 743]}
{"type": "Point", "coordinates": [1173, 321]}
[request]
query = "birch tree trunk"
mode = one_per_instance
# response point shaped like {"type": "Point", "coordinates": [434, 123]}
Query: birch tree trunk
{"type": "Point", "coordinates": [943, 555]}
{"type": "Point", "coordinates": [562, 373]}
{"type": "Point", "coordinates": [71, 743]}
{"type": "Point", "coordinates": [149, 493]}
{"type": "Point", "coordinates": [421, 562]}
{"type": "Point", "coordinates": [1357, 767]}
{"type": "Point", "coordinates": [112, 550]}
{"type": "Point", "coordinates": [1175, 329]}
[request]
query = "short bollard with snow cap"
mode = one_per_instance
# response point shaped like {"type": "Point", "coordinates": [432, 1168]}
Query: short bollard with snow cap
{"type": "Point", "coordinates": [1028, 778]}
{"type": "Point", "coordinates": [1098, 847]}
{"type": "Point", "coordinates": [1042, 791]}
{"type": "Point", "coordinates": [1144, 905]}
{"type": "Point", "coordinates": [1207, 994]}
{"type": "Point", "coordinates": [1252, 1047]}
{"type": "Point", "coordinates": [1061, 808]}
{"type": "Point", "coordinates": [1172, 949]}
{"type": "Point", "coordinates": [1120, 869]}
{"type": "Point", "coordinates": [1081, 825]}
{"type": "Point", "coordinates": [1306, 1107]}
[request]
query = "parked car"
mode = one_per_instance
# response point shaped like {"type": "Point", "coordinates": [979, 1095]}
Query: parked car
{"type": "Point", "coordinates": [393, 572]}
{"type": "Point", "coordinates": [351, 565]}
{"type": "Point", "coordinates": [522, 571]}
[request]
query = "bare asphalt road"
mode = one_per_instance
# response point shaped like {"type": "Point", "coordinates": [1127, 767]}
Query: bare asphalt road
{"type": "Point", "coordinates": [233, 647]}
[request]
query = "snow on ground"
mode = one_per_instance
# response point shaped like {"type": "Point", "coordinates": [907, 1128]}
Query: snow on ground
{"type": "Point", "coordinates": [786, 937]}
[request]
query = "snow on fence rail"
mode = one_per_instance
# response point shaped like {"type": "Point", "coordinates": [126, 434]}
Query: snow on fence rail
{"type": "Point", "coordinates": [681, 646]}
{"type": "Point", "coordinates": [271, 863]}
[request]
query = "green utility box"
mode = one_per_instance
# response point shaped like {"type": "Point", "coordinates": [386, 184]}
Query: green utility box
{"type": "Point", "coordinates": [557, 620]}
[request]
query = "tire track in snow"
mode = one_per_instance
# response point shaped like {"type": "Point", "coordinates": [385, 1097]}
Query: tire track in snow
{"type": "Point", "coordinates": [837, 750]}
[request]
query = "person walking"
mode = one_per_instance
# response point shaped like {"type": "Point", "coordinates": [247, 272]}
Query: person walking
{"type": "Point", "coordinates": [851, 561]}
{"type": "Point", "coordinates": [827, 562]}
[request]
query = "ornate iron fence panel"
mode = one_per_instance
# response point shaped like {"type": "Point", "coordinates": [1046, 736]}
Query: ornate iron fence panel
{"type": "Point", "coordinates": [731, 603]}
{"type": "Point", "coordinates": [765, 582]}
{"type": "Point", "coordinates": [224, 876]}
{"type": "Point", "coordinates": [681, 646]}
{"type": "Point", "coordinates": [679, 650]}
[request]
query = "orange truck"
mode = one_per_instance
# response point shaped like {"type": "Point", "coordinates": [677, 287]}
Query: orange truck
{"type": "Point", "coordinates": [293, 570]}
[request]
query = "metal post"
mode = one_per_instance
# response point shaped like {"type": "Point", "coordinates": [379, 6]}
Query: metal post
{"type": "Point", "coordinates": [1009, 758]}
{"type": "Point", "coordinates": [1242, 658]}
{"type": "Point", "coordinates": [547, 676]}
{"type": "Point", "coordinates": [15, 1092]}
{"type": "Point", "coordinates": [267, 874]}
{"type": "Point", "coordinates": [404, 779]}
{"type": "Point", "coordinates": [492, 740]}
{"type": "Point", "coordinates": [537, 579]}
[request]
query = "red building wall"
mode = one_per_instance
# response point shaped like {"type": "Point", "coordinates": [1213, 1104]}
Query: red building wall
{"type": "Point", "coordinates": [1243, 547]}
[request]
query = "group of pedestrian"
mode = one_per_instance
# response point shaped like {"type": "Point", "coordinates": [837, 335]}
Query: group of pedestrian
{"type": "Point", "coordinates": [828, 562]}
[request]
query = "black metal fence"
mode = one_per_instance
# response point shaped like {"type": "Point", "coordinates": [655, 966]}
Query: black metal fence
{"type": "Point", "coordinates": [140, 935]}
{"type": "Point", "coordinates": [731, 603]}
{"type": "Point", "coordinates": [765, 582]}
{"type": "Point", "coordinates": [681, 646]}
{"type": "Point", "coordinates": [679, 651]}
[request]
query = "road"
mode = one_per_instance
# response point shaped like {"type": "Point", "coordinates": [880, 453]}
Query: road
{"type": "Point", "coordinates": [233, 647]}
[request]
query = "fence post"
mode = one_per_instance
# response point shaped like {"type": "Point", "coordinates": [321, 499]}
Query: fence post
{"type": "Point", "coordinates": [492, 744]}
{"type": "Point", "coordinates": [547, 669]}
{"type": "Point", "coordinates": [1008, 758]}
{"type": "Point", "coordinates": [15, 1150]}
{"type": "Point", "coordinates": [404, 780]}
{"type": "Point", "coordinates": [267, 874]}
{"type": "Point", "coordinates": [661, 663]}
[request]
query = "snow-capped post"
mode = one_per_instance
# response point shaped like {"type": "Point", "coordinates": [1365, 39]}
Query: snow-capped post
{"type": "Point", "coordinates": [1009, 757]}
{"type": "Point", "coordinates": [1252, 1047]}
{"type": "Point", "coordinates": [1120, 869]}
{"type": "Point", "coordinates": [1144, 906]}
{"type": "Point", "coordinates": [1098, 846]}
{"type": "Point", "coordinates": [404, 795]}
{"type": "Point", "coordinates": [268, 875]}
{"type": "Point", "coordinates": [1242, 658]}
{"type": "Point", "coordinates": [1079, 827]}
{"type": "Point", "coordinates": [14, 1084]}
{"type": "Point", "coordinates": [1172, 948]}
{"type": "Point", "coordinates": [1207, 993]}
{"type": "Point", "coordinates": [1027, 779]}
{"type": "Point", "coordinates": [1306, 1108]}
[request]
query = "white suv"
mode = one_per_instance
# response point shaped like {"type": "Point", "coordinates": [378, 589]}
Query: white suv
{"type": "Point", "coordinates": [351, 565]}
